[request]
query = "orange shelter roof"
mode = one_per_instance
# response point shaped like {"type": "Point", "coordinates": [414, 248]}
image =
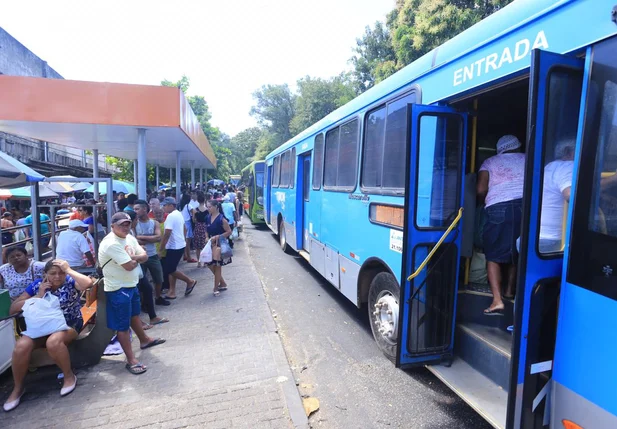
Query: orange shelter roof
{"type": "Point", "coordinates": [105, 116]}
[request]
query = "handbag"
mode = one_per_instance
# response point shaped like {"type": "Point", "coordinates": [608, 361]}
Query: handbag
{"type": "Point", "coordinates": [226, 251]}
{"type": "Point", "coordinates": [216, 253]}
{"type": "Point", "coordinates": [43, 316]}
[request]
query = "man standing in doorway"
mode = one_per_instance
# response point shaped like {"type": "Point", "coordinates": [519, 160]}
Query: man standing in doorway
{"type": "Point", "coordinates": [120, 255]}
{"type": "Point", "coordinates": [174, 243]}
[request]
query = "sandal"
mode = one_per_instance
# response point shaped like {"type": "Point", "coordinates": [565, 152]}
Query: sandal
{"type": "Point", "coordinates": [152, 343]}
{"type": "Point", "coordinates": [494, 311]}
{"type": "Point", "coordinates": [216, 293]}
{"type": "Point", "coordinates": [136, 369]}
{"type": "Point", "coordinates": [158, 322]}
{"type": "Point", "coordinates": [146, 326]}
{"type": "Point", "coordinates": [188, 290]}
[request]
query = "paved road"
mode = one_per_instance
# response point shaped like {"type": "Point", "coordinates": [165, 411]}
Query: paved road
{"type": "Point", "coordinates": [330, 348]}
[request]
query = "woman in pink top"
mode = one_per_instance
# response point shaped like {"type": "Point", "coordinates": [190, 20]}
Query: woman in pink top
{"type": "Point", "coordinates": [500, 186]}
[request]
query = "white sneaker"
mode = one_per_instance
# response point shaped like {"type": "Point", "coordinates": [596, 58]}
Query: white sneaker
{"type": "Point", "coordinates": [10, 406]}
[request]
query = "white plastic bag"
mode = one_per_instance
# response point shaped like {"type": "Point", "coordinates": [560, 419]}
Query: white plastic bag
{"type": "Point", "coordinates": [205, 256]}
{"type": "Point", "coordinates": [234, 234]}
{"type": "Point", "coordinates": [43, 316]}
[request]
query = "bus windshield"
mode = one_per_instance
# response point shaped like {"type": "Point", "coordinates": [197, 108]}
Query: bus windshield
{"type": "Point", "coordinates": [259, 184]}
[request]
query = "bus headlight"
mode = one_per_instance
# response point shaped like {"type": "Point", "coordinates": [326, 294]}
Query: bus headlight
{"type": "Point", "coordinates": [260, 201]}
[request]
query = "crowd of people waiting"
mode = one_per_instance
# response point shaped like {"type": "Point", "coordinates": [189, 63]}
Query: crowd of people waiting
{"type": "Point", "coordinates": [145, 237]}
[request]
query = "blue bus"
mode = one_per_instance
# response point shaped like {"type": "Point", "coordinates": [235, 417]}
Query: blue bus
{"type": "Point", "coordinates": [380, 197]}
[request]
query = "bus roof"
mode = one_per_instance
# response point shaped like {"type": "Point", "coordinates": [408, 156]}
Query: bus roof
{"type": "Point", "coordinates": [254, 164]}
{"type": "Point", "coordinates": [475, 39]}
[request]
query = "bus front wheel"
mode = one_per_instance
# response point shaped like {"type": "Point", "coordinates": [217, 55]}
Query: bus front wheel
{"type": "Point", "coordinates": [383, 310]}
{"type": "Point", "coordinates": [283, 238]}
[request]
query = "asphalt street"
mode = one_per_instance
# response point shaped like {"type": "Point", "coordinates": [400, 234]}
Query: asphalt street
{"type": "Point", "coordinates": [333, 356]}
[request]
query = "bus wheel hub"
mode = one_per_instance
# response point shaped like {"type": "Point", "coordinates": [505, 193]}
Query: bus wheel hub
{"type": "Point", "coordinates": [385, 317]}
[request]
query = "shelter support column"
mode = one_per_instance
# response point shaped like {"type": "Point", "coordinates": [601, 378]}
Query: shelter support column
{"type": "Point", "coordinates": [95, 172]}
{"type": "Point", "coordinates": [142, 165]}
{"type": "Point", "coordinates": [178, 177]}
{"type": "Point", "coordinates": [135, 177]}
{"type": "Point", "coordinates": [192, 174]}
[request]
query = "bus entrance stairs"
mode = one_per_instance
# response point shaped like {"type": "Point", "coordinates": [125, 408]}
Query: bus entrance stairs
{"type": "Point", "coordinates": [480, 371]}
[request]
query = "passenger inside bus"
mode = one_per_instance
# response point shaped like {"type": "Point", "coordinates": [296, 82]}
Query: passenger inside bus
{"type": "Point", "coordinates": [500, 187]}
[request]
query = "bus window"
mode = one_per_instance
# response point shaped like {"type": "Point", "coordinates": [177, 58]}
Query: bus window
{"type": "Point", "coordinates": [348, 156]}
{"type": "Point", "coordinates": [438, 171]}
{"type": "Point", "coordinates": [292, 168]}
{"type": "Point", "coordinates": [285, 173]}
{"type": "Point", "coordinates": [318, 162]}
{"type": "Point", "coordinates": [331, 164]}
{"type": "Point", "coordinates": [562, 112]}
{"type": "Point", "coordinates": [259, 184]}
{"type": "Point", "coordinates": [276, 173]}
{"type": "Point", "coordinates": [372, 159]}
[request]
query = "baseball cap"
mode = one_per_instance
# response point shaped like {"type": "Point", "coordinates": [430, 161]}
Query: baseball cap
{"type": "Point", "coordinates": [76, 223]}
{"type": "Point", "coordinates": [119, 218]}
{"type": "Point", "coordinates": [168, 200]}
{"type": "Point", "coordinates": [226, 198]}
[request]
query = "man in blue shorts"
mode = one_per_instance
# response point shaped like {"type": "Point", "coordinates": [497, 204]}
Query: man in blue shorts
{"type": "Point", "coordinates": [120, 255]}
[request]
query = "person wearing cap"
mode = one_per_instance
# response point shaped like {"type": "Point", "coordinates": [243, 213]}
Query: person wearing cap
{"type": "Point", "coordinates": [500, 186]}
{"type": "Point", "coordinates": [72, 245]}
{"type": "Point", "coordinates": [173, 242]}
{"type": "Point", "coordinates": [120, 255]}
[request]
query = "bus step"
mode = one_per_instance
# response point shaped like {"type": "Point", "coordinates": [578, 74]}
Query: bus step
{"type": "Point", "coordinates": [471, 305]}
{"type": "Point", "coordinates": [306, 255]}
{"type": "Point", "coordinates": [486, 349]}
{"type": "Point", "coordinates": [484, 396]}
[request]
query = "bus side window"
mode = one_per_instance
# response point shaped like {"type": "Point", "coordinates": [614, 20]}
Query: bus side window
{"type": "Point", "coordinates": [318, 162]}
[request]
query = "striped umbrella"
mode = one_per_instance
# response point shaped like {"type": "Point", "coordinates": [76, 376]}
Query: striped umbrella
{"type": "Point", "coordinates": [14, 174]}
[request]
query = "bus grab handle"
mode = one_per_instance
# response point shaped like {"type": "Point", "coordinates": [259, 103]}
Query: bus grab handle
{"type": "Point", "coordinates": [441, 240]}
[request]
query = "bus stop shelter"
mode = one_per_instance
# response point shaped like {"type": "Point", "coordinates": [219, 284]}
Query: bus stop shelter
{"type": "Point", "coordinates": [148, 124]}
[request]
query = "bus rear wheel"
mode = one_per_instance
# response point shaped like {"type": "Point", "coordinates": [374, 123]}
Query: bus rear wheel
{"type": "Point", "coordinates": [283, 238]}
{"type": "Point", "coordinates": [383, 310]}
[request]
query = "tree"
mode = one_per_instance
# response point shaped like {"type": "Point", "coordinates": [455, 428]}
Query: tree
{"type": "Point", "coordinates": [372, 50]}
{"type": "Point", "coordinates": [243, 147]}
{"type": "Point", "coordinates": [275, 109]}
{"type": "Point", "coordinates": [317, 98]}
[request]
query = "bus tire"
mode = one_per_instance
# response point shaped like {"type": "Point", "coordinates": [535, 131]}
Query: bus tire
{"type": "Point", "coordinates": [383, 310]}
{"type": "Point", "coordinates": [285, 247]}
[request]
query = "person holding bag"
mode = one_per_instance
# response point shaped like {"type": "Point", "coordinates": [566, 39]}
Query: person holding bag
{"type": "Point", "coordinates": [63, 284]}
{"type": "Point", "coordinates": [218, 232]}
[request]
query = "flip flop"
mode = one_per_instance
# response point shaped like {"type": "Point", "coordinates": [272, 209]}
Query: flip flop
{"type": "Point", "coordinates": [494, 312]}
{"type": "Point", "coordinates": [170, 297]}
{"type": "Point", "coordinates": [136, 369]}
{"type": "Point", "coordinates": [222, 288]}
{"type": "Point", "coordinates": [163, 320]}
{"type": "Point", "coordinates": [216, 293]}
{"type": "Point", "coordinates": [153, 343]}
{"type": "Point", "coordinates": [188, 290]}
{"type": "Point", "coordinates": [147, 326]}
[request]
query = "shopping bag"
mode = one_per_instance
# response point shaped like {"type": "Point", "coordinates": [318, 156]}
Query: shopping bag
{"type": "Point", "coordinates": [205, 257]}
{"type": "Point", "coordinates": [234, 234]}
{"type": "Point", "coordinates": [43, 316]}
{"type": "Point", "coordinates": [226, 251]}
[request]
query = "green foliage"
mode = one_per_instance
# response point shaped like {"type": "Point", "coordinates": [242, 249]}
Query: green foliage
{"type": "Point", "coordinates": [243, 147]}
{"type": "Point", "coordinates": [372, 50]}
{"type": "Point", "coordinates": [182, 84]}
{"type": "Point", "coordinates": [317, 98]}
{"type": "Point", "coordinates": [275, 109]}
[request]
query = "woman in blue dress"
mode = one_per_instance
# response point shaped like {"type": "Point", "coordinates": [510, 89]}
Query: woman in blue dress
{"type": "Point", "coordinates": [217, 230]}
{"type": "Point", "coordinates": [66, 284]}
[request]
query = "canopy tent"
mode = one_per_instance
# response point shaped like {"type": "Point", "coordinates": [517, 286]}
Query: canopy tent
{"type": "Point", "coordinates": [117, 186]}
{"type": "Point", "coordinates": [81, 186]}
{"type": "Point", "coordinates": [14, 174]}
{"type": "Point", "coordinates": [25, 193]}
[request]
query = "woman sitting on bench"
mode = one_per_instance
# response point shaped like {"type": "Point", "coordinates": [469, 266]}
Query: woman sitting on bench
{"type": "Point", "coordinates": [65, 284]}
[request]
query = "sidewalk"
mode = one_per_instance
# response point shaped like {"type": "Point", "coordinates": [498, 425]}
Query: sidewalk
{"type": "Point", "coordinates": [223, 366]}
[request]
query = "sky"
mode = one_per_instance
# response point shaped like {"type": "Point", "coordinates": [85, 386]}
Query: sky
{"type": "Point", "coordinates": [228, 49]}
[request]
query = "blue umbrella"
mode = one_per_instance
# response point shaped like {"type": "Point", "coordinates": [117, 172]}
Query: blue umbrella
{"type": "Point", "coordinates": [117, 186]}
{"type": "Point", "coordinates": [14, 174]}
{"type": "Point", "coordinates": [216, 182]}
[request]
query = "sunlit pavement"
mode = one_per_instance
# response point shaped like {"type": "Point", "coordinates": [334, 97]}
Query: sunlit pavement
{"type": "Point", "coordinates": [223, 366]}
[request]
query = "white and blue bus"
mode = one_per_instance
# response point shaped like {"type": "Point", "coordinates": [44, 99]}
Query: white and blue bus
{"type": "Point", "coordinates": [373, 195]}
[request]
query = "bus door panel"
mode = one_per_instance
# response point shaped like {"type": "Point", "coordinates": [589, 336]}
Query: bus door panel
{"type": "Point", "coordinates": [433, 210]}
{"type": "Point", "coordinates": [268, 196]}
{"type": "Point", "coordinates": [305, 177]}
{"type": "Point", "coordinates": [552, 127]}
